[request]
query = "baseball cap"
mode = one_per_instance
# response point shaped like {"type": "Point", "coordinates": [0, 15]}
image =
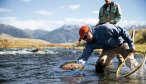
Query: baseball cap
{"type": "Point", "coordinates": [83, 31]}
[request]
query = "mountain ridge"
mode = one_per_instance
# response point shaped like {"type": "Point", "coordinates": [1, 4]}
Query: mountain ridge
{"type": "Point", "coordinates": [64, 34]}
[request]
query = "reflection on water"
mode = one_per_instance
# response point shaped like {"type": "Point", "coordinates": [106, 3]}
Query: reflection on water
{"type": "Point", "coordinates": [20, 66]}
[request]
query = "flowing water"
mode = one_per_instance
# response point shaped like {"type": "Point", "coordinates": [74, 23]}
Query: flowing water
{"type": "Point", "coordinates": [20, 66]}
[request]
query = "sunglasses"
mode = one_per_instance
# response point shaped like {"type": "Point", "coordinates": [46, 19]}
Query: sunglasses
{"type": "Point", "coordinates": [85, 37]}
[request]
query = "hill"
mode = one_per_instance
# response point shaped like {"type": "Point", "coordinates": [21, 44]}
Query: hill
{"type": "Point", "coordinates": [13, 31]}
{"type": "Point", "coordinates": [20, 33]}
{"type": "Point", "coordinates": [65, 34]}
{"type": "Point", "coordinates": [3, 35]}
{"type": "Point", "coordinates": [11, 42]}
{"type": "Point", "coordinates": [36, 33]}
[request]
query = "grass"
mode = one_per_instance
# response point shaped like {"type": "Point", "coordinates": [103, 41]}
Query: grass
{"type": "Point", "coordinates": [21, 43]}
{"type": "Point", "coordinates": [9, 42]}
{"type": "Point", "coordinates": [29, 43]}
{"type": "Point", "coordinates": [140, 47]}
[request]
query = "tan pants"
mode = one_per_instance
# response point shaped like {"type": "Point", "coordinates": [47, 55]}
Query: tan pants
{"type": "Point", "coordinates": [120, 58]}
{"type": "Point", "coordinates": [107, 55]}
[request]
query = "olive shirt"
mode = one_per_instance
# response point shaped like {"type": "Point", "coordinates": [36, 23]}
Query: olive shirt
{"type": "Point", "coordinates": [110, 13]}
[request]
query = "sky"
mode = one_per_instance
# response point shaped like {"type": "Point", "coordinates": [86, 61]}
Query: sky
{"type": "Point", "coordinates": [52, 14]}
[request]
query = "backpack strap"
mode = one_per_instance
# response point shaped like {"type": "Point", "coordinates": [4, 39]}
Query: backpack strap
{"type": "Point", "coordinates": [112, 4]}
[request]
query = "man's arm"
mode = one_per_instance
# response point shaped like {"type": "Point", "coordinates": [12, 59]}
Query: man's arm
{"type": "Point", "coordinates": [81, 61]}
{"type": "Point", "coordinates": [126, 36]}
{"type": "Point", "coordinates": [100, 15]}
{"type": "Point", "coordinates": [86, 54]}
{"type": "Point", "coordinates": [118, 13]}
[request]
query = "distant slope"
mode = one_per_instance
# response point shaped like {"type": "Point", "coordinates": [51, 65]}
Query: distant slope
{"type": "Point", "coordinates": [36, 33]}
{"type": "Point", "coordinates": [3, 35]}
{"type": "Point", "coordinates": [65, 34]}
{"type": "Point", "coordinates": [13, 31]}
{"type": "Point", "coordinates": [22, 43]}
{"type": "Point", "coordinates": [19, 33]}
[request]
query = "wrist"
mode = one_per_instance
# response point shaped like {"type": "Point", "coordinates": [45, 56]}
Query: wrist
{"type": "Point", "coordinates": [82, 62]}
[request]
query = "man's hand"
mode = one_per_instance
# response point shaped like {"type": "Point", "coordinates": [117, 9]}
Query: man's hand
{"type": "Point", "coordinates": [96, 24]}
{"type": "Point", "coordinates": [71, 66]}
{"type": "Point", "coordinates": [131, 49]}
{"type": "Point", "coordinates": [108, 22]}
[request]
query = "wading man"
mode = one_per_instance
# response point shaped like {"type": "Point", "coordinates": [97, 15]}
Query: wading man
{"type": "Point", "coordinates": [113, 40]}
{"type": "Point", "coordinates": [110, 12]}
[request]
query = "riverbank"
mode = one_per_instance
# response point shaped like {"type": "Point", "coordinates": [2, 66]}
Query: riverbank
{"type": "Point", "coordinates": [28, 43]}
{"type": "Point", "coordinates": [140, 47]}
{"type": "Point", "coordinates": [21, 66]}
{"type": "Point", "coordinates": [37, 43]}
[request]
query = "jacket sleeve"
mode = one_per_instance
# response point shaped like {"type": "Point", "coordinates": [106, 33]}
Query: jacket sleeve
{"type": "Point", "coordinates": [100, 14]}
{"type": "Point", "coordinates": [86, 53]}
{"type": "Point", "coordinates": [118, 13]}
{"type": "Point", "coordinates": [126, 36]}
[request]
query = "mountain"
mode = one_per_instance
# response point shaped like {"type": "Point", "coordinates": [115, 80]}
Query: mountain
{"type": "Point", "coordinates": [3, 35]}
{"type": "Point", "coordinates": [36, 33]}
{"type": "Point", "coordinates": [19, 33]}
{"type": "Point", "coordinates": [133, 27]}
{"type": "Point", "coordinates": [13, 31]}
{"type": "Point", "coordinates": [65, 34]}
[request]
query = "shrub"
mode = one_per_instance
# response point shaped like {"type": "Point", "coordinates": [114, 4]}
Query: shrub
{"type": "Point", "coordinates": [140, 36]}
{"type": "Point", "coordinates": [144, 35]}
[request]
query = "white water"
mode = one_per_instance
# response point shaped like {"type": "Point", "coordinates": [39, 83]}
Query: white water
{"type": "Point", "coordinates": [20, 66]}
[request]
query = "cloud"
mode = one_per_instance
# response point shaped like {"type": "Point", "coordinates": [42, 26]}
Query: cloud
{"type": "Point", "coordinates": [5, 10]}
{"type": "Point", "coordinates": [52, 25]}
{"type": "Point", "coordinates": [74, 6]}
{"type": "Point", "coordinates": [26, 0]}
{"type": "Point", "coordinates": [44, 24]}
{"type": "Point", "coordinates": [31, 24]}
{"type": "Point", "coordinates": [125, 23]}
{"type": "Point", "coordinates": [91, 21]}
{"type": "Point", "coordinates": [95, 12]}
{"type": "Point", "coordinates": [4, 19]}
{"type": "Point", "coordinates": [44, 12]}
{"type": "Point", "coordinates": [94, 21]}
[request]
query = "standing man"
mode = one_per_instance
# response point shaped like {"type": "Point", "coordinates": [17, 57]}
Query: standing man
{"type": "Point", "coordinates": [113, 40]}
{"type": "Point", "coordinates": [110, 12]}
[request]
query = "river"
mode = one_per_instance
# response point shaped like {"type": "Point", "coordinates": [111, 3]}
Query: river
{"type": "Point", "coordinates": [20, 66]}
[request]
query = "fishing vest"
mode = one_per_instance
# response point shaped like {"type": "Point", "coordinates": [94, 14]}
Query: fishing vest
{"type": "Point", "coordinates": [108, 12]}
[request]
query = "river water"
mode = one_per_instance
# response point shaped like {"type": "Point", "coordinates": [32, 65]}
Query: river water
{"type": "Point", "coordinates": [20, 66]}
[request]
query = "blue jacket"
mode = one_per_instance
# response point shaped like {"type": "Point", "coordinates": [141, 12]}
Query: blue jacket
{"type": "Point", "coordinates": [106, 36]}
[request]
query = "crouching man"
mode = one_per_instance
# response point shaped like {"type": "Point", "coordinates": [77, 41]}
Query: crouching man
{"type": "Point", "coordinates": [113, 40]}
